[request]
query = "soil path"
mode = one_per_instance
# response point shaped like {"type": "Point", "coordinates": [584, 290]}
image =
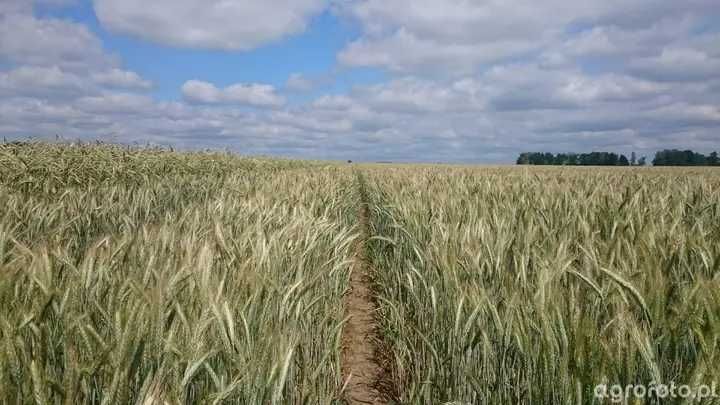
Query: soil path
{"type": "Point", "coordinates": [364, 371]}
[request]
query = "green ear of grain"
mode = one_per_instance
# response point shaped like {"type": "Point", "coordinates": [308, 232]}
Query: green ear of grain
{"type": "Point", "coordinates": [40, 393]}
{"type": "Point", "coordinates": [627, 286]}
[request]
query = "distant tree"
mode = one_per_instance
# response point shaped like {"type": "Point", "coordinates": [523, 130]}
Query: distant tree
{"type": "Point", "coordinates": [612, 159]}
{"type": "Point", "coordinates": [668, 157]}
{"type": "Point", "coordinates": [713, 159]}
{"type": "Point", "coordinates": [698, 159]}
{"type": "Point", "coordinates": [573, 159]}
{"type": "Point", "coordinates": [664, 158]}
{"type": "Point", "coordinates": [560, 159]}
{"type": "Point", "coordinates": [674, 157]}
{"type": "Point", "coordinates": [583, 159]}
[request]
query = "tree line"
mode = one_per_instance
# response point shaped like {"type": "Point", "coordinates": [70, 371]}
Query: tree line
{"type": "Point", "coordinates": [577, 159]}
{"type": "Point", "coordinates": [668, 157]}
{"type": "Point", "coordinates": [674, 157]}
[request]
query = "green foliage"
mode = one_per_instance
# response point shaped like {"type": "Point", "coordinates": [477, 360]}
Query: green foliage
{"type": "Point", "coordinates": [676, 157]}
{"type": "Point", "coordinates": [573, 159]}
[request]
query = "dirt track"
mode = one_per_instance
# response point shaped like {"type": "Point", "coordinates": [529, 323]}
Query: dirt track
{"type": "Point", "coordinates": [365, 373]}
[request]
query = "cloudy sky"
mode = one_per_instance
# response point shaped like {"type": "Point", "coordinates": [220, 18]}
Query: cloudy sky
{"type": "Point", "coordinates": [400, 80]}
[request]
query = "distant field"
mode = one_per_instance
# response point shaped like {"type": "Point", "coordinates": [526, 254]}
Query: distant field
{"type": "Point", "coordinates": [146, 276]}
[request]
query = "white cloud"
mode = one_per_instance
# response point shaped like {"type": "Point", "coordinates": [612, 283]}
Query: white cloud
{"type": "Point", "coordinates": [609, 87]}
{"type": "Point", "coordinates": [116, 104]}
{"type": "Point", "coordinates": [412, 95]}
{"type": "Point", "coordinates": [457, 36]}
{"type": "Point", "coordinates": [337, 103]}
{"type": "Point", "coordinates": [56, 3]}
{"type": "Point", "coordinates": [26, 40]}
{"type": "Point", "coordinates": [404, 119]}
{"type": "Point", "coordinates": [121, 79]}
{"type": "Point", "coordinates": [25, 113]}
{"type": "Point", "coordinates": [215, 24]}
{"type": "Point", "coordinates": [57, 78]}
{"type": "Point", "coordinates": [612, 41]}
{"type": "Point", "coordinates": [466, 81]}
{"type": "Point", "coordinates": [42, 82]}
{"type": "Point", "coordinates": [678, 64]}
{"type": "Point", "coordinates": [257, 95]}
{"type": "Point", "coordinates": [299, 82]}
{"type": "Point", "coordinates": [529, 86]}
{"type": "Point", "coordinates": [310, 123]}
{"type": "Point", "coordinates": [55, 58]}
{"type": "Point", "coordinates": [407, 35]}
{"type": "Point", "coordinates": [204, 92]}
{"type": "Point", "coordinates": [403, 51]}
{"type": "Point", "coordinates": [8, 7]}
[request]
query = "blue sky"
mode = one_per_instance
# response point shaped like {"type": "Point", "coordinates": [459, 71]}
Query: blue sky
{"type": "Point", "coordinates": [408, 80]}
{"type": "Point", "coordinates": [311, 53]}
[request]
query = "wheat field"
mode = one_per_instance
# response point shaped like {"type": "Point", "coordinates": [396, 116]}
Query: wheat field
{"type": "Point", "coordinates": [147, 276]}
{"type": "Point", "coordinates": [516, 285]}
{"type": "Point", "coordinates": [155, 277]}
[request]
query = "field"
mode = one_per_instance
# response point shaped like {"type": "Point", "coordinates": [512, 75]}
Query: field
{"type": "Point", "coordinates": [535, 285]}
{"type": "Point", "coordinates": [149, 277]}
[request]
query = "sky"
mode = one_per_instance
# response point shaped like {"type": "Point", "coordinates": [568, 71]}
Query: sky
{"type": "Point", "coordinates": [466, 81]}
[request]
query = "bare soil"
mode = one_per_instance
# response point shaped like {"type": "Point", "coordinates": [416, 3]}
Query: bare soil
{"type": "Point", "coordinates": [365, 365]}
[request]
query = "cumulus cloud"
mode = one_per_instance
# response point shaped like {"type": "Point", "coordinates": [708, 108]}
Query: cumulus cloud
{"type": "Point", "coordinates": [463, 81]}
{"type": "Point", "coordinates": [404, 51]}
{"type": "Point", "coordinates": [413, 95]}
{"type": "Point", "coordinates": [27, 40]}
{"type": "Point", "coordinates": [8, 7]}
{"type": "Point", "coordinates": [215, 24]}
{"type": "Point", "coordinates": [257, 95]}
{"type": "Point", "coordinates": [116, 104]}
{"type": "Point", "coordinates": [678, 64]}
{"type": "Point", "coordinates": [121, 79]}
{"type": "Point", "coordinates": [457, 36]}
{"type": "Point", "coordinates": [42, 82]}
{"type": "Point", "coordinates": [56, 3]}
{"type": "Point", "coordinates": [47, 54]}
{"type": "Point", "coordinates": [299, 82]}
{"type": "Point", "coordinates": [56, 77]}
{"type": "Point", "coordinates": [404, 119]}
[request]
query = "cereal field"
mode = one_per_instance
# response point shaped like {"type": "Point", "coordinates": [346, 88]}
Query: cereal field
{"type": "Point", "coordinates": [148, 277]}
